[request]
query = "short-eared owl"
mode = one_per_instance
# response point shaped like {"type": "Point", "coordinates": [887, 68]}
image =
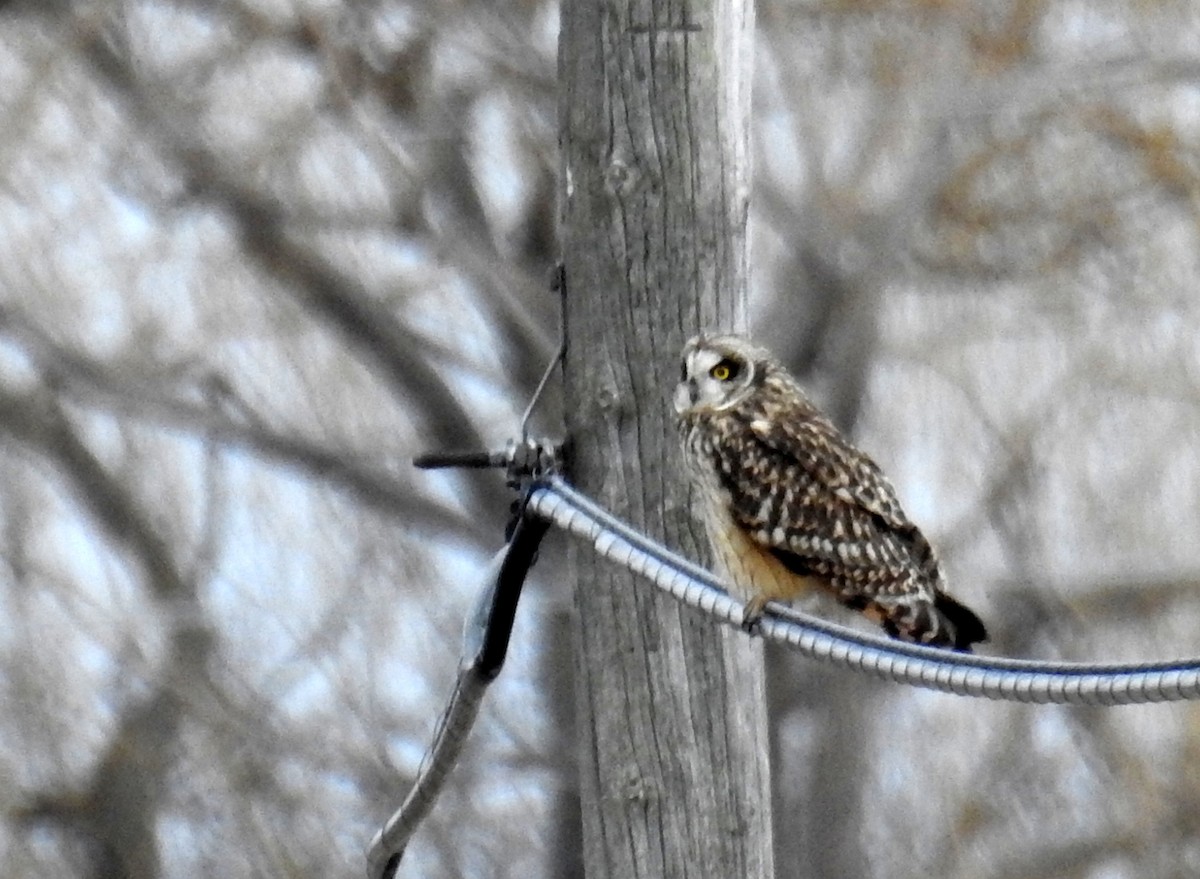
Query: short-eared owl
{"type": "Point", "coordinates": [789, 503]}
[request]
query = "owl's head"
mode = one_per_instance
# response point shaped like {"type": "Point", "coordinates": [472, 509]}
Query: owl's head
{"type": "Point", "coordinates": [719, 372]}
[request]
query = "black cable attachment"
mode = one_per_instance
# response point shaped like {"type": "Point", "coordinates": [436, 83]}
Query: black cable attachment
{"type": "Point", "coordinates": [489, 627]}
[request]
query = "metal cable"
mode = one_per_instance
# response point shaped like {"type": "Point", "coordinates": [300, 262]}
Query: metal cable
{"type": "Point", "coordinates": [387, 848]}
{"type": "Point", "coordinates": [1014, 680]}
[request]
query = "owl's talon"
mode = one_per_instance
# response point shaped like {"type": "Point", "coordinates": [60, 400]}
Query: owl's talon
{"type": "Point", "coordinates": [752, 615]}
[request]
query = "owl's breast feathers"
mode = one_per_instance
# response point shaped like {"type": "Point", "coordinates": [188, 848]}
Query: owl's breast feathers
{"type": "Point", "coordinates": [795, 492]}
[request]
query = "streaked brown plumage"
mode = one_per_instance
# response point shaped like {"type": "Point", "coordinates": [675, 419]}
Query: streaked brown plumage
{"type": "Point", "coordinates": [789, 503]}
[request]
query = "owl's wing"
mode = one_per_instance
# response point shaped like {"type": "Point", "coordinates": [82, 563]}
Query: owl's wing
{"type": "Point", "coordinates": [802, 488]}
{"type": "Point", "coordinates": [818, 453]}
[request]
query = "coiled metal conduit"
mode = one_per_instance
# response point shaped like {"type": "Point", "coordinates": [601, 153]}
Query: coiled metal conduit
{"type": "Point", "coordinates": [963, 674]}
{"type": "Point", "coordinates": [555, 502]}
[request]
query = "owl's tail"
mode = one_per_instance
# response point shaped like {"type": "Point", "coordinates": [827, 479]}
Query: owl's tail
{"type": "Point", "coordinates": [944, 623]}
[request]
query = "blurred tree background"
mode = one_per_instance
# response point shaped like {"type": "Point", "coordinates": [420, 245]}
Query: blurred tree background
{"type": "Point", "coordinates": [256, 254]}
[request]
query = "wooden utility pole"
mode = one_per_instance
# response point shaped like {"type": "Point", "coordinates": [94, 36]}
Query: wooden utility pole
{"type": "Point", "coordinates": [655, 182]}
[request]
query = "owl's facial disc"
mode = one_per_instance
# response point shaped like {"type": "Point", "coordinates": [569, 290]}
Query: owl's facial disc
{"type": "Point", "coordinates": [712, 379]}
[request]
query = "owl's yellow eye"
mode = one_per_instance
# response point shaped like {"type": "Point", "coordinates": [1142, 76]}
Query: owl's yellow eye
{"type": "Point", "coordinates": [724, 371]}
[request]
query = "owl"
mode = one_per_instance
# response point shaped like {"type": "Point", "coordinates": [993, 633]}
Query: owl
{"type": "Point", "coordinates": [789, 504]}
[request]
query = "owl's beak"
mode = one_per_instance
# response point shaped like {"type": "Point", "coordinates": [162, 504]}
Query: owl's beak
{"type": "Point", "coordinates": [685, 397]}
